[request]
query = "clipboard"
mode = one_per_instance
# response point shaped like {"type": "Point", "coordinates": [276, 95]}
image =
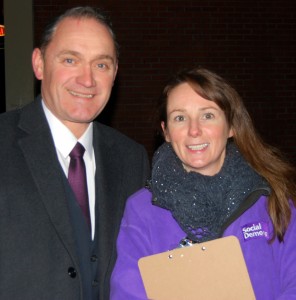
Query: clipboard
{"type": "Point", "coordinates": [213, 270]}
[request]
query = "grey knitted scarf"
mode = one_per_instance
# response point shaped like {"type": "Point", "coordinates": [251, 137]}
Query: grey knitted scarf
{"type": "Point", "coordinates": [201, 204]}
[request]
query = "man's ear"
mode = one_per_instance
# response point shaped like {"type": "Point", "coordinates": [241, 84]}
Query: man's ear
{"type": "Point", "coordinates": [115, 73]}
{"type": "Point", "coordinates": [116, 70]}
{"type": "Point", "coordinates": [164, 130]}
{"type": "Point", "coordinates": [38, 63]}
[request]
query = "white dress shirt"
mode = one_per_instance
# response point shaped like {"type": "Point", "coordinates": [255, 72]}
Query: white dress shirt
{"type": "Point", "coordinates": [65, 141]}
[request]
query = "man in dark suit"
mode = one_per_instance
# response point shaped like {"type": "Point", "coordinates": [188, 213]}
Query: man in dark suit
{"type": "Point", "coordinates": [47, 248]}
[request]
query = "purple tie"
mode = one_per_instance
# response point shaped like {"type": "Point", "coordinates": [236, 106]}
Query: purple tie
{"type": "Point", "coordinates": [77, 179]}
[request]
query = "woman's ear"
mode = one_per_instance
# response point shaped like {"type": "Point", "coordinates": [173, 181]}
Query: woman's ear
{"type": "Point", "coordinates": [165, 133]}
{"type": "Point", "coordinates": [38, 63]}
{"type": "Point", "coordinates": [231, 132]}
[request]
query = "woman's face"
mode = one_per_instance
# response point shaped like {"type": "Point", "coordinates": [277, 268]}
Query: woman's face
{"type": "Point", "coordinates": [197, 130]}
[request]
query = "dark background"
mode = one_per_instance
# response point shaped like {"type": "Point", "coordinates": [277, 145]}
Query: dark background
{"type": "Point", "coordinates": [2, 66]}
{"type": "Point", "coordinates": [250, 43]}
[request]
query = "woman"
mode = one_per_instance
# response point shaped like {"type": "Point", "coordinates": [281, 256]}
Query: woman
{"type": "Point", "coordinates": [213, 177]}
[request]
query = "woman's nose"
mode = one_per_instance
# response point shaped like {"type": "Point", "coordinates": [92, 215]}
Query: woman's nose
{"type": "Point", "coordinates": [194, 128]}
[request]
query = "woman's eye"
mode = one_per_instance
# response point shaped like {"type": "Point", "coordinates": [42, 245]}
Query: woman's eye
{"type": "Point", "coordinates": [208, 116]}
{"type": "Point", "coordinates": [179, 118]}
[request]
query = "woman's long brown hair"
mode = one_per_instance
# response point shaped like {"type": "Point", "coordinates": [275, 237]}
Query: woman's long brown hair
{"type": "Point", "coordinates": [265, 159]}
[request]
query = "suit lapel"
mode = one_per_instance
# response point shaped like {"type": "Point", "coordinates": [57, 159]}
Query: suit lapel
{"type": "Point", "coordinates": [108, 181]}
{"type": "Point", "coordinates": [40, 155]}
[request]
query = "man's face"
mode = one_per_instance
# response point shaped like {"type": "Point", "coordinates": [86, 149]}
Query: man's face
{"type": "Point", "coordinates": [77, 71]}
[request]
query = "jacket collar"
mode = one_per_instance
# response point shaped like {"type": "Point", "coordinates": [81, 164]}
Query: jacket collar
{"type": "Point", "coordinates": [38, 148]}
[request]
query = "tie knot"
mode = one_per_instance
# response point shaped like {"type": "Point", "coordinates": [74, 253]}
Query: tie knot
{"type": "Point", "coordinates": [77, 151]}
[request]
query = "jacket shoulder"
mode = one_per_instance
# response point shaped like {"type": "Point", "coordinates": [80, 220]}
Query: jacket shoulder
{"type": "Point", "coordinates": [10, 117]}
{"type": "Point", "coordinates": [113, 136]}
{"type": "Point", "coordinates": [9, 124]}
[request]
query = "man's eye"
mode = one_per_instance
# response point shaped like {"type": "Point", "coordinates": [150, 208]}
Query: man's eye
{"type": "Point", "coordinates": [102, 66]}
{"type": "Point", "coordinates": [69, 61]}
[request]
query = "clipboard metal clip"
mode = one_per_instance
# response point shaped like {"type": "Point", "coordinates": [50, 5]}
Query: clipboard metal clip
{"type": "Point", "coordinates": [186, 242]}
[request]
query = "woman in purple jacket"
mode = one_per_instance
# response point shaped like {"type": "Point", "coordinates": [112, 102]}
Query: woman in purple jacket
{"type": "Point", "coordinates": [213, 177]}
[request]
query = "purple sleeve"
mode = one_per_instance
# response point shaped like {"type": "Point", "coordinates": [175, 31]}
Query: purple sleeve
{"type": "Point", "coordinates": [132, 244]}
{"type": "Point", "coordinates": [287, 262]}
{"type": "Point", "coordinates": [145, 230]}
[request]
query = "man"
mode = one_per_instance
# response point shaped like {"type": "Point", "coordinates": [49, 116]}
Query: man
{"type": "Point", "coordinates": [49, 247]}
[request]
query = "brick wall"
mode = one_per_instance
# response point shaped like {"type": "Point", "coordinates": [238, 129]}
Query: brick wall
{"type": "Point", "coordinates": [251, 43]}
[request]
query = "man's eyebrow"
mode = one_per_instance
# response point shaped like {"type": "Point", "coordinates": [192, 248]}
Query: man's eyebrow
{"type": "Point", "coordinates": [78, 54]}
{"type": "Point", "coordinates": [106, 57]}
{"type": "Point", "coordinates": [69, 52]}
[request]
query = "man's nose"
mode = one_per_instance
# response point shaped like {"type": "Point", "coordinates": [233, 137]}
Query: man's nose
{"type": "Point", "coordinates": [86, 77]}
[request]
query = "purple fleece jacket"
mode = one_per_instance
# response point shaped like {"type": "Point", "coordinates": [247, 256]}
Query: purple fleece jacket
{"type": "Point", "coordinates": [147, 229]}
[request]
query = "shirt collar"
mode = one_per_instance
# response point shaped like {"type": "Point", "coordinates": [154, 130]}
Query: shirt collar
{"type": "Point", "coordinates": [64, 139]}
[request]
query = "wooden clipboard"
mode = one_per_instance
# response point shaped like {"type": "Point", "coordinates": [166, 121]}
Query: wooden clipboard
{"type": "Point", "coordinates": [213, 270]}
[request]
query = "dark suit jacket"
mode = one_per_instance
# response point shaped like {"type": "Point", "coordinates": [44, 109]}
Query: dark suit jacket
{"type": "Point", "coordinates": [37, 244]}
